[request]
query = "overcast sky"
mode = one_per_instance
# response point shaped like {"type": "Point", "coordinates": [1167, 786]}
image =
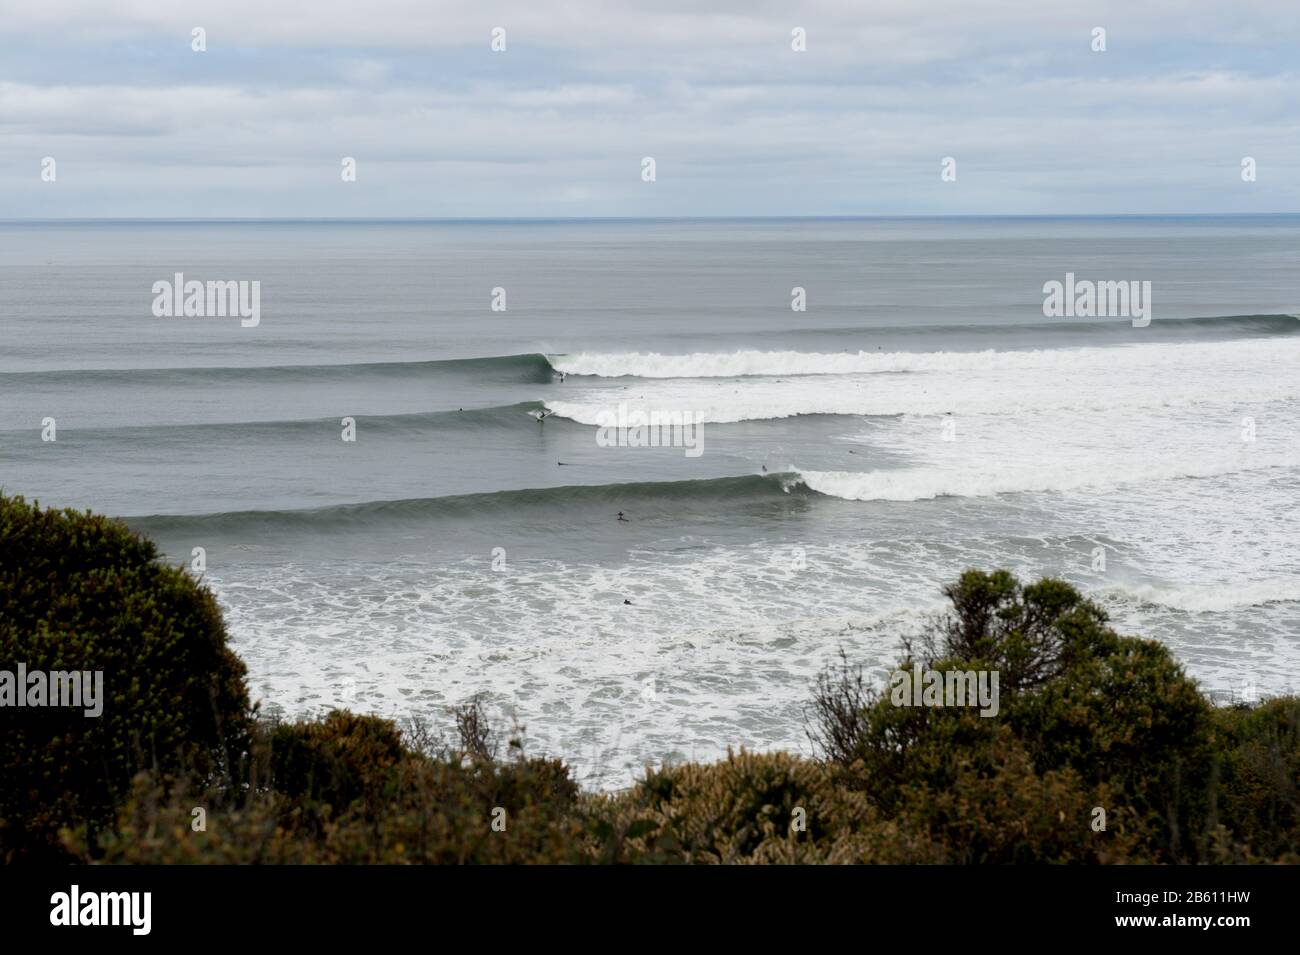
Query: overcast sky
{"type": "Point", "coordinates": [557, 125]}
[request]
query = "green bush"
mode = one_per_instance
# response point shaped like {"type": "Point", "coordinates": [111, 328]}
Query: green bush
{"type": "Point", "coordinates": [730, 811]}
{"type": "Point", "coordinates": [338, 761]}
{"type": "Point", "coordinates": [347, 789]}
{"type": "Point", "coordinates": [83, 592]}
{"type": "Point", "coordinates": [1089, 716]}
{"type": "Point", "coordinates": [1133, 721]}
{"type": "Point", "coordinates": [1259, 786]}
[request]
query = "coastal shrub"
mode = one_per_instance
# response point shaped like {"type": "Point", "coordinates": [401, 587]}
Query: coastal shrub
{"type": "Point", "coordinates": [347, 789]}
{"type": "Point", "coordinates": [1096, 718]}
{"type": "Point", "coordinates": [995, 807]}
{"type": "Point", "coordinates": [1258, 788]}
{"type": "Point", "coordinates": [336, 761]}
{"type": "Point", "coordinates": [81, 592]}
{"type": "Point", "coordinates": [1031, 634]}
{"type": "Point", "coordinates": [1131, 719]}
{"type": "Point", "coordinates": [474, 729]}
{"type": "Point", "coordinates": [721, 813]}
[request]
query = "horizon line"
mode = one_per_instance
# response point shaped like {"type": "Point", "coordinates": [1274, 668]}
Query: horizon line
{"type": "Point", "coordinates": [721, 218]}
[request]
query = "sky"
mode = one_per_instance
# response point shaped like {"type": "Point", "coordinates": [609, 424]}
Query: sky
{"type": "Point", "coordinates": [558, 124]}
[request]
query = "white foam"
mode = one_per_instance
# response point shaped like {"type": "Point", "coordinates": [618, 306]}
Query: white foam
{"type": "Point", "coordinates": [1120, 379]}
{"type": "Point", "coordinates": [740, 364]}
{"type": "Point", "coordinates": [1216, 598]}
{"type": "Point", "coordinates": [733, 638]}
{"type": "Point", "coordinates": [924, 484]}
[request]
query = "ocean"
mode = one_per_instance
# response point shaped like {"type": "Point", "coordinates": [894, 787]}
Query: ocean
{"type": "Point", "coordinates": [920, 416]}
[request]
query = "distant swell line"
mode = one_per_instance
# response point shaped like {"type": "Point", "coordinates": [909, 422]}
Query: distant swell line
{"type": "Point", "coordinates": [563, 502]}
{"type": "Point", "coordinates": [553, 500]}
{"type": "Point", "coordinates": [521, 368]}
{"type": "Point", "coordinates": [498, 416]}
{"type": "Point", "coordinates": [539, 368]}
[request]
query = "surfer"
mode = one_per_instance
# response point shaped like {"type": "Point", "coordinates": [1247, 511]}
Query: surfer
{"type": "Point", "coordinates": [622, 518]}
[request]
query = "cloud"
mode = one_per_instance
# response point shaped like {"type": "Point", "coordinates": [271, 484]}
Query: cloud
{"type": "Point", "coordinates": [557, 125]}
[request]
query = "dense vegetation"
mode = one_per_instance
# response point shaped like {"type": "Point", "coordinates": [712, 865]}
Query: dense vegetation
{"type": "Point", "coordinates": [1088, 721]}
{"type": "Point", "coordinates": [79, 592]}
